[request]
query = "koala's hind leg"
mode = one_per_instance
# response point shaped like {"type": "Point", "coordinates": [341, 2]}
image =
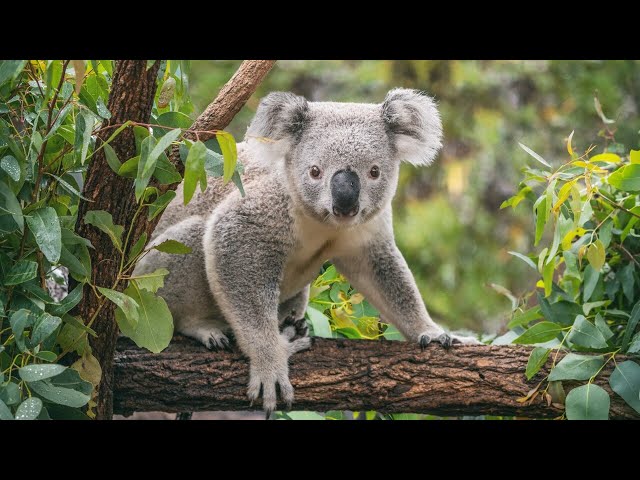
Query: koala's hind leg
{"type": "Point", "coordinates": [205, 332]}
{"type": "Point", "coordinates": [291, 316]}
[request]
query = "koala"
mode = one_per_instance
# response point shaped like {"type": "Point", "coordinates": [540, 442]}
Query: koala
{"type": "Point", "coordinates": [320, 178]}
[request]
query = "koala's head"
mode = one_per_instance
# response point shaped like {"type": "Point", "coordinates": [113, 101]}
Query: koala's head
{"type": "Point", "coordinates": [341, 160]}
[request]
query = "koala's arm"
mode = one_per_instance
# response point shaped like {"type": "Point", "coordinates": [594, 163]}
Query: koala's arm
{"type": "Point", "coordinates": [381, 273]}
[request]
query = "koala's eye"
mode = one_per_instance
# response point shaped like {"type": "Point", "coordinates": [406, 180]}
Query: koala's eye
{"type": "Point", "coordinates": [374, 172]}
{"type": "Point", "coordinates": [315, 172]}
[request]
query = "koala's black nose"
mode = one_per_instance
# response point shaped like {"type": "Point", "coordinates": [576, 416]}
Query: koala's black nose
{"type": "Point", "coordinates": [345, 191]}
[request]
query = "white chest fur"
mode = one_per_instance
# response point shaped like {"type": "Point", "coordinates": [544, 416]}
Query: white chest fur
{"type": "Point", "coordinates": [315, 244]}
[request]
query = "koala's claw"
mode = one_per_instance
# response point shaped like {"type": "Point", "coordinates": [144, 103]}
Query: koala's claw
{"type": "Point", "coordinates": [445, 340]}
{"type": "Point", "coordinates": [268, 384]}
{"type": "Point", "coordinates": [217, 341]}
{"type": "Point", "coordinates": [293, 328]}
{"type": "Point", "coordinates": [424, 341]}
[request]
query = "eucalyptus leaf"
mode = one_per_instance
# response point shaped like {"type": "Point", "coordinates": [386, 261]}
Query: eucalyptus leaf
{"type": "Point", "coordinates": [588, 402]}
{"type": "Point", "coordinates": [45, 226]}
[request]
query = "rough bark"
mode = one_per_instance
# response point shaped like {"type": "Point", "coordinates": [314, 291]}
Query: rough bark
{"type": "Point", "coordinates": [132, 93]}
{"type": "Point", "coordinates": [392, 377]}
{"type": "Point", "coordinates": [131, 98]}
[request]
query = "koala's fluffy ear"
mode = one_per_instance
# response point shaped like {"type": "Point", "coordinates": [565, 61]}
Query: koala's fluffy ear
{"type": "Point", "coordinates": [414, 123]}
{"type": "Point", "coordinates": [280, 115]}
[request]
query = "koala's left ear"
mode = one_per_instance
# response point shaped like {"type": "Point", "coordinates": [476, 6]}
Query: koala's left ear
{"type": "Point", "coordinates": [414, 123]}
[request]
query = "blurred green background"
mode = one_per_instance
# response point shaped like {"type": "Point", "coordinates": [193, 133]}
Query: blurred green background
{"type": "Point", "coordinates": [446, 217]}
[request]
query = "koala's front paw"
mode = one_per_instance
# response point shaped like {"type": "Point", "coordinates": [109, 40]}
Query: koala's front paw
{"type": "Point", "coordinates": [443, 338]}
{"type": "Point", "coordinates": [267, 378]}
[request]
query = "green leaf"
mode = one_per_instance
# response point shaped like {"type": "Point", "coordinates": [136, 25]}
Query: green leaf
{"type": "Point", "coordinates": [541, 219]}
{"type": "Point", "coordinates": [67, 389]}
{"type": "Point", "coordinates": [319, 323]}
{"type": "Point", "coordinates": [606, 157]}
{"type": "Point", "coordinates": [10, 211]}
{"type": "Point", "coordinates": [73, 338]}
{"type": "Point", "coordinates": [635, 344]}
{"type": "Point", "coordinates": [547, 276]}
{"type": "Point", "coordinates": [634, 156]}
{"type": "Point", "coordinates": [44, 327]}
{"type": "Point", "coordinates": [525, 259]}
{"type": "Point", "coordinates": [37, 372]}
{"type": "Point", "coordinates": [576, 367]}
{"type": "Point", "coordinates": [625, 381]}
{"type": "Point", "coordinates": [10, 393]}
{"type": "Point", "coordinates": [591, 277]}
{"type": "Point", "coordinates": [20, 320]}
{"type": "Point", "coordinates": [112, 158]}
{"type": "Point", "coordinates": [10, 69]}
{"type": "Point", "coordinates": [164, 143]}
{"type": "Point", "coordinates": [627, 279]}
{"type": "Point", "coordinates": [137, 247]}
{"type": "Point", "coordinates": [102, 109]}
{"type": "Point", "coordinates": [146, 165]}
{"type": "Point", "coordinates": [588, 402]}
{"type": "Point", "coordinates": [534, 155]}
{"type": "Point", "coordinates": [537, 359]}
{"type": "Point", "coordinates": [5, 413]}
{"type": "Point", "coordinates": [194, 169]}
{"type": "Point", "coordinates": [151, 282]}
{"type": "Point", "coordinates": [45, 226]}
{"type": "Point", "coordinates": [173, 246]}
{"type": "Point", "coordinates": [47, 356]}
{"type": "Point", "coordinates": [174, 120]}
{"type": "Point", "coordinates": [392, 333]}
{"type": "Point", "coordinates": [632, 323]}
{"type": "Point", "coordinates": [68, 187]}
{"type": "Point", "coordinates": [127, 304]}
{"type": "Point", "coordinates": [129, 168]}
{"type": "Point", "coordinates": [68, 302]}
{"type": "Point", "coordinates": [84, 127]}
{"type": "Point", "coordinates": [165, 172]}
{"type": "Point", "coordinates": [524, 318]}
{"type": "Point", "coordinates": [229, 152]}
{"type": "Point", "coordinates": [29, 409]}
{"type": "Point", "coordinates": [626, 178]}
{"type": "Point", "coordinates": [596, 255]}
{"type": "Point", "coordinates": [104, 222]}
{"type": "Point", "coordinates": [160, 203]}
{"type": "Point", "coordinates": [60, 118]}
{"type": "Point", "coordinates": [155, 326]}
{"type": "Point", "coordinates": [10, 165]}
{"type": "Point", "coordinates": [22, 271]}
{"type": "Point", "coordinates": [584, 333]}
{"type": "Point", "coordinates": [539, 333]}
{"type": "Point", "coordinates": [603, 327]}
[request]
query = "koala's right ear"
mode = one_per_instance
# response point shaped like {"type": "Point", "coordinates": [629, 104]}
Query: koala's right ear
{"type": "Point", "coordinates": [280, 115]}
{"type": "Point", "coordinates": [414, 123]}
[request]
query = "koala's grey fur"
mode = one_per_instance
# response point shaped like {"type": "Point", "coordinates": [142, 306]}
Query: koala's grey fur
{"type": "Point", "coordinates": [254, 257]}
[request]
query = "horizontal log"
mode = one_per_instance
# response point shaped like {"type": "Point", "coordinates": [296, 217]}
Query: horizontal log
{"type": "Point", "coordinates": [386, 376]}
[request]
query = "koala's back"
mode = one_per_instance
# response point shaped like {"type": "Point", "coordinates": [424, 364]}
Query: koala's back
{"type": "Point", "coordinates": [203, 203]}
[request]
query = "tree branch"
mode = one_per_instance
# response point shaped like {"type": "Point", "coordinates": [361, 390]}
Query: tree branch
{"type": "Point", "coordinates": [392, 377]}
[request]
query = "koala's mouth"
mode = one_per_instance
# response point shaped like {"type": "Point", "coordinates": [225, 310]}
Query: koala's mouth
{"type": "Point", "coordinates": [349, 213]}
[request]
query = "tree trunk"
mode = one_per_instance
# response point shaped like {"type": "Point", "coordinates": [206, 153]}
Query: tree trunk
{"type": "Point", "coordinates": [131, 98]}
{"type": "Point", "coordinates": [132, 93]}
{"type": "Point", "coordinates": [391, 377]}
